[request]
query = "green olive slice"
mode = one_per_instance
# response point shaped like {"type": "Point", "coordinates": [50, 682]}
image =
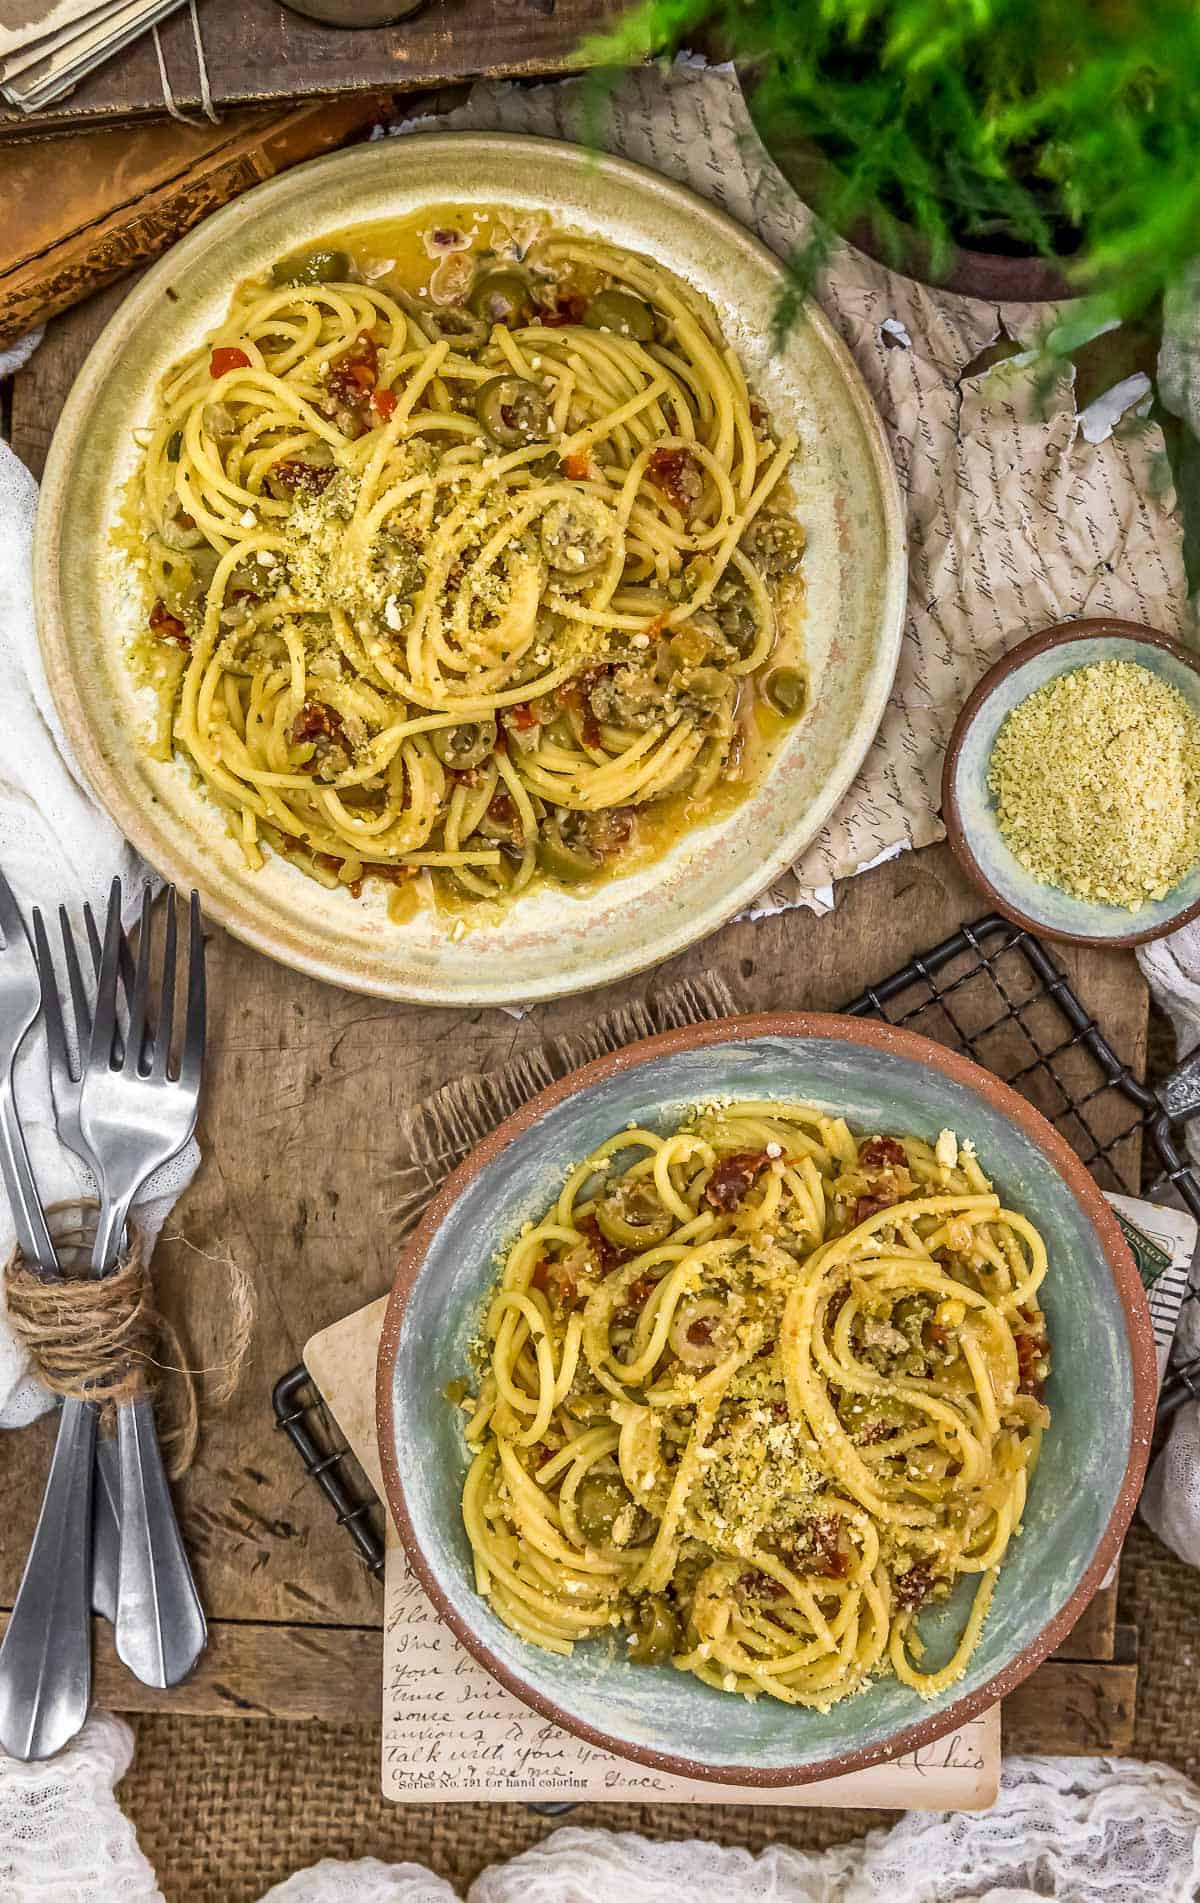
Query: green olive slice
{"type": "Point", "coordinates": [501, 297]}
{"type": "Point", "coordinates": [568, 863]}
{"type": "Point", "coordinates": [633, 1219]}
{"type": "Point", "coordinates": [576, 535]}
{"type": "Point", "coordinates": [512, 411]}
{"type": "Point", "coordinates": [786, 688]}
{"type": "Point", "coordinates": [312, 267]}
{"type": "Point", "coordinates": [622, 312]}
{"type": "Point", "coordinates": [654, 1631]}
{"type": "Point", "coordinates": [707, 683]}
{"type": "Point", "coordinates": [775, 543]}
{"type": "Point", "coordinates": [736, 616]}
{"type": "Point", "coordinates": [600, 1498]}
{"type": "Point", "coordinates": [465, 746]}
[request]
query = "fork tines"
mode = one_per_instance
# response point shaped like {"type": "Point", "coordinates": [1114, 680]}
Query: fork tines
{"type": "Point", "coordinates": [146, 1045]}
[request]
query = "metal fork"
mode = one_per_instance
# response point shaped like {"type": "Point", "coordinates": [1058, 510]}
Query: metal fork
{"type": "Point", "coordinates": [64, 1091]}
{"type": "Point", "coordinates": [46, 1657]}
{"type": "Point", "coordinates": [133, 1117]}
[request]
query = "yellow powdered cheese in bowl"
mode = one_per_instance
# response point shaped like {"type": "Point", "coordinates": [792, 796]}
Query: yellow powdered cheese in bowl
{"type": "Point", "coordinates": [1071, 786]}
{"type": "Point", "coordinates": [1097, 783]}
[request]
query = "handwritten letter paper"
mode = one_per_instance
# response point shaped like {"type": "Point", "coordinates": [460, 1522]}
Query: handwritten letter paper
{"type": "Point", "coordinates": [450, 1731]}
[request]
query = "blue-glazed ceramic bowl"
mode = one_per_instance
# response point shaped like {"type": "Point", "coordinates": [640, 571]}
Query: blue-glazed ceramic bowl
{"type": "Point", "coordinates": [969, 809]}
{"type": "Point", "coordinates": [1101, 1390]}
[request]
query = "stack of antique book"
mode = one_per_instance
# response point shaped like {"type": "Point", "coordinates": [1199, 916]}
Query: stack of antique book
{"type": "Point", "coordinates": [47, 46]}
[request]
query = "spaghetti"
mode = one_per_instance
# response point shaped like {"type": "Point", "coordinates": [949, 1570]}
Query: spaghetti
{"type": "Point", "coordinates": [754, 1393]}
{"type": "Point", "coordinates": [458, 566]}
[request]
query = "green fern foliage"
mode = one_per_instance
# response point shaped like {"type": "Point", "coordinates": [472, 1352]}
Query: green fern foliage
{"type": "Point", "coordinates": [1069, 128]}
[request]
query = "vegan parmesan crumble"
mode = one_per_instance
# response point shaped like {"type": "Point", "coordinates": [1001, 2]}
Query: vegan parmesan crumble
{"type": "Point", "coordinates": [1096, 779]}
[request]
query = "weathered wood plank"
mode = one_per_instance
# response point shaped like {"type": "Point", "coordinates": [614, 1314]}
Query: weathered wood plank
{"type": "Point", "coordinates": [1073, 1708]}
{"type": "Point", "coordinates": [305, 1086]}
{"type": "Point", "coordinates": [1094, 1635]}
{"type": "Point", "coordinates": [332, 1673]}
{"type": "Point", "coordinates": [257, 54]}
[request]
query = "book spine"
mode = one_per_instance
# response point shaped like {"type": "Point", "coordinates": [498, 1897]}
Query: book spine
{"type": "Point", "coordinates": [89, 256]}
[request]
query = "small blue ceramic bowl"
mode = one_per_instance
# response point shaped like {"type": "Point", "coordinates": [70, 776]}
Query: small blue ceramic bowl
{"type": "Point", "coordinates": [1101, 1389]}
{"type": "Point", "coordinates": [969, 809]}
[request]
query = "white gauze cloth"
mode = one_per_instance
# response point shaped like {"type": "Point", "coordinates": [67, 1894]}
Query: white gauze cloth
{"type": "Point", "coordinates": [56, 848]}
{"type": "Point", "coordinates": [1082, 1830]}
{"type": "Point", "coordinates": [1171, 1497]}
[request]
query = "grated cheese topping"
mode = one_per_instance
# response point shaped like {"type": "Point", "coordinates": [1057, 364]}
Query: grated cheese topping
{"type": "Point", "coordinates": [1096, 779]}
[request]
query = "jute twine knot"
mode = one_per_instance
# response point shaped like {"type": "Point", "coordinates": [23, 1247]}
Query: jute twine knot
{"type": "Point", "coordinates": [103, 1339]}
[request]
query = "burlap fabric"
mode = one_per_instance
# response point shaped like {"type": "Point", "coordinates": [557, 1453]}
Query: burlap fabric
{"type": "Point", "coordinates": [223, 1810]}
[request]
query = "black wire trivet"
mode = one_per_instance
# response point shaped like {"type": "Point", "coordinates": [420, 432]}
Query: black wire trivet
{"type": "Point", "coordinates": [993, 992]}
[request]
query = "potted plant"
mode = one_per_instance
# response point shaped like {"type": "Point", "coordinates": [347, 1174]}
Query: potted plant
{"type": "Point", "coordinates": [1011, 148]}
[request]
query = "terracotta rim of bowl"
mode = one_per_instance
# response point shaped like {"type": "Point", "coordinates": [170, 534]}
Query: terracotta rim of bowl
{"type": "Point", "coordinates": [882, 1037]}
{"type": "Point", "coordinates": [1061, 635]}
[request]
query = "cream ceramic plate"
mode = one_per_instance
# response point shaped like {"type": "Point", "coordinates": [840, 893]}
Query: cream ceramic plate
{"type": "Point", "coordinates": [548, 943]}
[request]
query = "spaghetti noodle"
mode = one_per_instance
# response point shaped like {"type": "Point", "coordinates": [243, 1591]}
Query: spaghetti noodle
{"type": "Point", "coordinates": [457, 567]}
{"type": "Point", "coordinates": [754, 1393]}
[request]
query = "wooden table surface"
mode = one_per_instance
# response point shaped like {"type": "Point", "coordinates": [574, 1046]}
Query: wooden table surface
{"type": "Point", "coordinates": [304, 1089]}
{"type": "Point", "coordinates": [259, 52]}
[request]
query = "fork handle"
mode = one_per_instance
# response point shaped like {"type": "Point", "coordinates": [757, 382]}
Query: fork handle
{"type": "Point", "coordinates": [46, 1657]}
{"type": "Point", "coordinates": [160, 1626]}
{"type": "Point", "coordinates": [110, 1226]}
{"type": "Point", "coordinates": [106, 1528]}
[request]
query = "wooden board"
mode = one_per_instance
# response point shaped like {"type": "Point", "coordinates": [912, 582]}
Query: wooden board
{"type": "Point", "coordinates": [332, 1673]}
{"type": "Point", "coordinates": [93, 205]}
{"type": "Point", "coordinates": [305, 1085]}
{"type": "Point", "coordinates": [258, 52]}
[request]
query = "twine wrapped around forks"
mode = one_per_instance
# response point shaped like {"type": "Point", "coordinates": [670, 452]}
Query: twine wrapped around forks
{"type": "Point", "coordinates": [105, 1340]}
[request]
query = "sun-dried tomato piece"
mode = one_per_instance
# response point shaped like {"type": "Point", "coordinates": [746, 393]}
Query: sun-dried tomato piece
{"type": "Point", "coordinates": [757, 1585]}
{"type": "Point", "coordinates": [824, 1547]}
{"type": "Point", "coordinates": [576, 695]}
{"type": "Point", "coordinates": [639, 1292]}
{"type": "Point", "coordinates": [384, 402]}
{"type": "Point", "coordinates": [555, 1281]}
{"type": "Point", "coordinates": [734, 1177]}
{"type": "Point", "coordinates": [1032, 1350]}
{"type": "Point", "coordinates": [882, 1153]}
{"type": "Point", "coordinates": [913, 1588]}
{"type": "Point", "coordinates": [225, 358]}
{"type": "Point", "coordinates": [168, 627]}
{"type": "Point", "coordinates": [301, 478]}
{"type": "Point", "coordinates": [354, 374]}
{"type": "Point", "coordinates": [679, 476]}
{"type": "Point", "coordinates": [882, 1196]}
{"type": "Point", "coordinates": [576, 468]}
{"type": "Point", "coordinates": [568, 309]}
{"type": "Point", "coordinates": [607, 1254]}
{"type": "Point", "coordinates": [523, 716]}
{"type": "Point", "coordinates": [314, 721]}
{"type": "Point", "coordinates": [611, 829]}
